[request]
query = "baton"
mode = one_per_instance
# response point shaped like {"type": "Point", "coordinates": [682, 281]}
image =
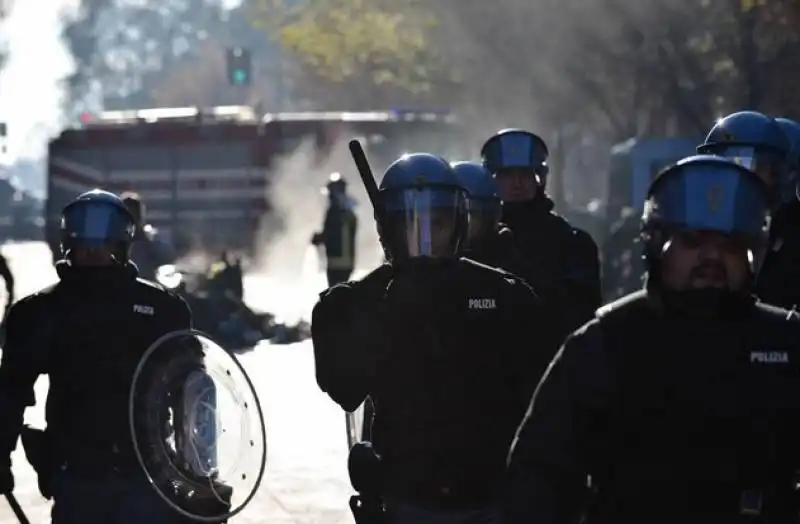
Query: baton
{"type": "Point", "coordinates": [17, 509]}
{"type": "Point", "coordinates": [367, 178]}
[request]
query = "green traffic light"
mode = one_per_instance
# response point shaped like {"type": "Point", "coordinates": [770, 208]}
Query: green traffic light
{"type": "Point", "coordinates": [239, 77]}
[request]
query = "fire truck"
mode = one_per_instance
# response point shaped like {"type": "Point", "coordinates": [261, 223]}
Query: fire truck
{"type": "Point", "coordinates": [205, 174]}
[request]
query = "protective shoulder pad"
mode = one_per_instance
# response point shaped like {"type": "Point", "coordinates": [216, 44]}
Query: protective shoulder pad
{"type": "Point", "coordinates": [623, 305]}
{"type": "Point", "coordinates": [770, 313]}
{"type": "Point", "coordinates": [336, 288]}
{"type": "Point", "coordinates": [559, 222]}
{"type": "Point", "coordinates": [583, 236]}
{"type": "Point", "coordinates": [36, 299]}
{"type": "Point", "coordinates": [159, 289]}
{"type": "Point", "coordinates": [776, 326]}
{"type": "Point", "coordinates": [504, 231]}
{"type": "Point", "coordinates": [378, 276]}
{"type": "Point", "coordinates": [32, 306]}
{"type": "Point", "coordinates": [480, 266]}
{"type": "Point", "coordinates": [151, 284]}
{"type": "Point", "coordinates": [492, 272]}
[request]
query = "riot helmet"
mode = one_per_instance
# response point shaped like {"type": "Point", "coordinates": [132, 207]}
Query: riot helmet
{"type": "Point", "coordinates": [754, 141]}
{"type": "Point", "coordinates": [704, 226]}
{"type": "Point", "coordinates": [96, 228]}
{"type": "Point", "coordinates": [519, 155]}
{"type": "Point", "coordinates": [425, 209]}
{"type": "Point", "coordinates": [483, 200]}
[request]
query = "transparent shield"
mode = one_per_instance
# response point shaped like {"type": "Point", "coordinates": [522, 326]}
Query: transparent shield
{"type": "Point", "coordinates": [197, 426]}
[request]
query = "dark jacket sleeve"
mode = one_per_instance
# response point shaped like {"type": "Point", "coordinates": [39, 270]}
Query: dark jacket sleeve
{"type": "Point", "coordinates": [347, 331]}
{"type": "Point", "coordinates": [553, 449]}
{"type": "Point", "coordinates": [29, 338]}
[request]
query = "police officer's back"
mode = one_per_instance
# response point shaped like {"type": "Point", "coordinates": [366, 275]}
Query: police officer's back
{"type": "Point", "coordinates": [442, 345]}
{"type": "Point", "coordinates": [679, 401]}
{"type": "Point", "coordinates": [559, 261]}
{"type": "Point", "coordinates": [87, 332]}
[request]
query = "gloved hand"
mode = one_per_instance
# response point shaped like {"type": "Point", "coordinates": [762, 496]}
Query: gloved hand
{"type": "Point", "coordinates": [6, 477]}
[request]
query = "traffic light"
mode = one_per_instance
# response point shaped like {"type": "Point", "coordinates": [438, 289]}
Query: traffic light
{"type": "Point", "coordinates": [239, 66]}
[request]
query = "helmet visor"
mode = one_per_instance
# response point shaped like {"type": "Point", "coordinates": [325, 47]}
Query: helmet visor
{"type": "Point", "coordinates": [768, 164]}
{"type": "Point", "coordinates": [426, 222]}
{"type": "Point", "coordinates": [95, 224]}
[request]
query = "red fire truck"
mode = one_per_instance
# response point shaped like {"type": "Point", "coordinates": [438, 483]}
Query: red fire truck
{"type": "Point", "coordinates": [205, 174]}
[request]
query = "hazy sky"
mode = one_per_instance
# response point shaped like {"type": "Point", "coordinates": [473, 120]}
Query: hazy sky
{"type": "Point", "coordinates": [29, 85]}
{"type": "Point", "coordinates": [30, 93]}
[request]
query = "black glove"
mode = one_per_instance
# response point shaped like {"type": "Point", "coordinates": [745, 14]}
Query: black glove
{"type": "Point", "coordinates": [6, 477]}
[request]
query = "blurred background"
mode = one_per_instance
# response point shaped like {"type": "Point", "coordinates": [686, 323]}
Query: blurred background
{"type": "Point", "coordinates": [595, 79]}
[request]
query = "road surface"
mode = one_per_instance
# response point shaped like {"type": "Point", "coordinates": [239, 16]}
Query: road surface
{"type": "Point", "coordinates": [306, 479]}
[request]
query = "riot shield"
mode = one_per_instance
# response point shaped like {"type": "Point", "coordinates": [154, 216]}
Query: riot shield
{"type": "Point", "coordinates": [197, 426]}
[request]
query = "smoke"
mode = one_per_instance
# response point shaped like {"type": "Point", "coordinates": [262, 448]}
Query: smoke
{"type": "Point", "coordinates": [31, 81]}
{"type": "Point", "coordinates": [295, 192]}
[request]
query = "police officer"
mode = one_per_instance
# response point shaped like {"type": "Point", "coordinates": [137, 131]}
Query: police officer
{"type": "Point", "coordinates": [755, 141]}
{"type": "Point", "coordinates": [87, 332]}
{"type": "Point", "coordinates": [442, 345]}
{"type": "Point", "coordinates": [151, 248]}
{"type": "Point", "coordinates": [680, 401]}
{"type": "Point", "coordinates": [338, 234]}
{"type": "Point", "coordinates": [488, 241]}
{"type": "Point", "coordinates": [779, 280]}
{"type": "Point", "coordinates": [561, 262]}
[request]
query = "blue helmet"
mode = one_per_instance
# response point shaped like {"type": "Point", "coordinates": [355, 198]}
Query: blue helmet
{"type": "Point", "coordinates": [754, 140]}
{"type": "Point", "coordinates": [97, 218]}
{"type": "Point", "coordinates": [426, 208]}
{"type": "Point", "coordinates": [516, 149]}
{"type": "Point", "coordinates": [706, 193]}
{"type": "Point", "coordinates": [483, 199]}
{"type": "Point", "coordinates": [789, 190]}
{"type": "Point", "coordinates": [477, 181]}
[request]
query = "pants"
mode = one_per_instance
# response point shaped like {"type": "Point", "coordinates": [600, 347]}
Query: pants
{"type": "Point", "coordinates": [400, 513]}
{"type": "Point", "coordinates": [337, 276]}
{"type": "Point", "coordinates": [112, 500]}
